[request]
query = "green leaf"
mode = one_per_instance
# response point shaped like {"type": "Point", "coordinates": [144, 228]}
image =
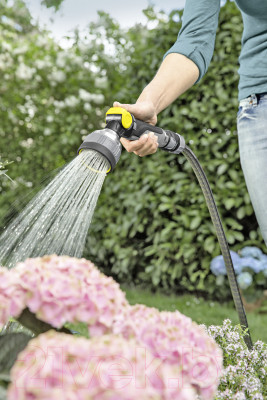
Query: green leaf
{"type": "Point", "coordinates": [195, 223]}
{"type": "Point", "coordinates": [222, 168]}
{"type": "Point", "coordinates": [241, 213]}
{"type": "Point", "coordinates": [229, 203]}
{"type": "Point", "coordinates": [209, 244]}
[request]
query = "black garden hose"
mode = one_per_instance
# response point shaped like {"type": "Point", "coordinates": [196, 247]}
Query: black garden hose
{"type": "Point", "coordinates": [203, 181]}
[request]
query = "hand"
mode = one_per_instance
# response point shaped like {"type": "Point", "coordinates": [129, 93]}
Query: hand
{"type": "Point", "coordinates": [148, 143]}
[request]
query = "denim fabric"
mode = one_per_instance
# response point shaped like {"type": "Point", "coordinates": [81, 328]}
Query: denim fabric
{"type": "Point", "coordinates": [252, 139]}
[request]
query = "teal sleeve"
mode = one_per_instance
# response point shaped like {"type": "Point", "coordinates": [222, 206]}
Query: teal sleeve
{"type": "Point", "coordinates": [197, 35]}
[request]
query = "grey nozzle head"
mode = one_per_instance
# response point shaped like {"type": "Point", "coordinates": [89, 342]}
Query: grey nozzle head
{"type": "Point", "coordinates": [105, 142]}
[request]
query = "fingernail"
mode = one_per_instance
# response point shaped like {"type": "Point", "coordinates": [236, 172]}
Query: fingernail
{"type": "Point", "coordinates": [145, 135]}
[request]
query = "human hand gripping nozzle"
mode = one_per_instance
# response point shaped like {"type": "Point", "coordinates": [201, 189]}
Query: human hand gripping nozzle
{"type": "Point", "coordinates": [120, 123]}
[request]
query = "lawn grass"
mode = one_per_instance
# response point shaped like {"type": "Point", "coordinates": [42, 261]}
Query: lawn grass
{"type": "Point", "coordinates": [200, 310]}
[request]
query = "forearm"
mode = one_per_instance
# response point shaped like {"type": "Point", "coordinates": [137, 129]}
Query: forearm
{"type": "Point", "coordinates": [176, 74]}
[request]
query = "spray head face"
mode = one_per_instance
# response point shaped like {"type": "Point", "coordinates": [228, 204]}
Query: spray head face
{"type": "Point", "coordinates": [105, 142]}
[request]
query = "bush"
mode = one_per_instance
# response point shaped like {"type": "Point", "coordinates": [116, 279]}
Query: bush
{"type": "Point", "coordinates": [245, 371]}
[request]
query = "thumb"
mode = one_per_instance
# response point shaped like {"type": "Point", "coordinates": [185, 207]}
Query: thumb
{"type": "Point", "coordinates": [131, 108]}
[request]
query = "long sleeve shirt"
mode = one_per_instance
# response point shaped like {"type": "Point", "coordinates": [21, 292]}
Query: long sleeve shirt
{"type": "Point", "coordinates": [197, 37]}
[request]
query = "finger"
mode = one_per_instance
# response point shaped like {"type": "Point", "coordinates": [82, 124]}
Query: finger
{"type": "Point", "coordinates": [152, 142]}
{"type": "Point", "coordinates": [150, 150]}
{"type": "Point", "coordinates": [153, 136]}
{"type": "Point", "coordinates": [150, 147]}
{"type": "Point", "coordinates": [134, 145]}
{"type": "Point", "coordinates": [131, 108]}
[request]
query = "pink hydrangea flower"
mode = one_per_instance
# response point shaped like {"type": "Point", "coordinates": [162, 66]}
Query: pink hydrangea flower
{"type": "Point", "coordinates": [12, 297]}
{"type": "Point", "coordinates": [58, 366]}
{"type": "Point", "coordinates": [182, 342]}
{"type": "Point", "coordinates": [60, 289]}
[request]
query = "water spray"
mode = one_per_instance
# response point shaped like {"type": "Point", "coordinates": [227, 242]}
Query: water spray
{"type": "Point", "coordinates": [120, 123]}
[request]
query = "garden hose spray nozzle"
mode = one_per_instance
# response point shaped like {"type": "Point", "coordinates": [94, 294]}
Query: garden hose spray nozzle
{"type": "Point", "coordinates": [120, 123]}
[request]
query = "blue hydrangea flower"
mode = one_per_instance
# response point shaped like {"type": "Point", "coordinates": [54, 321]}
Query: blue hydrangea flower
{"type": "Point", "coordinates": [252, 263]}
{"type": "Point", "coordinates": [244, 280]}
{"type": "Point", "coordinates": [217, 265]}
{"type": "Point", "coordinates": [263, 257]}
{"type": "Point", "coordinates": [251, 251]}
{"type": "Point", "coordinates": [238, 266]}
{"type": "Point", "coordinates": [235, 257]}
{"type": "Point", "coordinates": [263, 261]}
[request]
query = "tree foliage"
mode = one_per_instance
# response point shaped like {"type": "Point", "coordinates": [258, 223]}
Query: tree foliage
{"type": "Point", "coordinates": [52, 3]}
{"type": "Point", "coordinates": [43, 119]}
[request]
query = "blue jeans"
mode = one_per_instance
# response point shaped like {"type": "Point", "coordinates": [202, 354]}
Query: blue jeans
{"type": "Point", "coordinates": [252, 140]}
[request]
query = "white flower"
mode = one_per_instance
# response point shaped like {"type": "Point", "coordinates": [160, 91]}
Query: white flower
{"type": "Point", "coordinates": [101, 82]}
{"type": "Point", "coordinates": [5, 61]}
{"type": "Point", "coordinates": [22, 108]}
{"type": "Point", "coordinates": [61, 59]}
{"type": "Point", "coordinates": [12, 117]}
{"type": "Point", "coordinates": [27, 143]}
{"type": "Point", "coordinates": [49, 118]}
{"type": "Point", "coordinates": [41, 64]}
{"type": "Point", "coordinates": [57, 76]}
{"type": "Point", "coordinates": [59, 104]}
{"type": "Point", "coordinates": [87, 107]}
{"type": "Point", "coordinates": [31, 111]}
{"type": "Point", "coordinates": [25, 72]}
{"type": "Point", "coordinates": [71, 101]}
{"type": "Point", "coordinates": [98, 98]}
{"type": "Point", "coordinates": [21, 49]}
{"type": "Point", "coordinates": [83, 47]}
{"type": "Point", "coordinates": [77, 60]}
{"type": "Point", "coordinates": [7, 21]}
{"type": "Point", "coordinates": [41, 41]}
{"type": "Point", "coordinates": [47, 131]}
{"type": "Point", "coordinates": [84, 95]}
{"type": "Point", "coordinates": [6, 46]}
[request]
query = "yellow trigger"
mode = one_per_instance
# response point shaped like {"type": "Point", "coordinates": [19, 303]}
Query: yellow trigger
{"type": "Point", "coordinates": [126, 117]}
